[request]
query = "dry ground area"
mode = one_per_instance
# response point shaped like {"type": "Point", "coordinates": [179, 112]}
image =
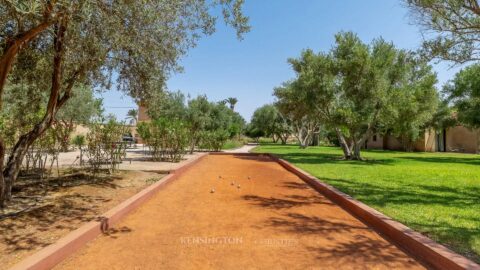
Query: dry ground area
{"type": "Point", "coordinates": [68, 203]}
{"type": "Point", "coordinates": [272, 221]}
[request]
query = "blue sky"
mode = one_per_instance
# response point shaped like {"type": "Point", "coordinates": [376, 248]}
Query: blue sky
{"type": "Point", "coordinates": [222, 66]}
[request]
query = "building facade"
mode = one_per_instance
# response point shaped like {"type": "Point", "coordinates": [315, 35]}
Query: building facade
{"type": "Point", "coordinates": [455, 139]}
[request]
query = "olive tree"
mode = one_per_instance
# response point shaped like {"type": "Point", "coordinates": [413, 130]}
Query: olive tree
{"type": "Point", "coordinates": [451, 28]}
{"type": "Point", "coordinates": [56, 45]}
{"type": "Point", "coordinates": [351, 89]}
{"type": "Point", "coordinates": [414, 104]}
{"type": "Point", "coordinates": [291, 102]}
{"type": "Point", "coordinates": [269, 121]}
{"type": "Point", "coordinates": [463, 91]}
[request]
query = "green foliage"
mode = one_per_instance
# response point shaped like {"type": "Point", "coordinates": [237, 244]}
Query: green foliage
{"type": "Point", "coordinates": [451, 28]}
{"type": "Point", "coordinates": [253, 132]}
{"type": "Point", "coordinates": [132, 116]}
{"type": "Point", "coordinates": [209, 124]}
{"type": "Point", "coordinates": [49, 47]}
{"type": "Point", "coordinates": [268, 121]}
{"type": "Point", "coordinates": [104, 144]}
{"type": "Point", "coordinates": [234, 143]}
{"type": "Point", "coordinates": [265, 118]}
{"type": "Point", "coordinates": [166, 104]}
{"type": "Point", "coordinates": [20, 112]}
{"type": "Point", "coordinates": [464, 92]}
{"type": "Point", "coordinates": [99, 41]}
{"type": "Point", "coordinates": [232, 101]}
{"type": "Point", "coordinates": [81, 108]}
{"type": "Point", "coordinates": [416, 104]}
{"type": "Point", "coordinates": [79, 141]}
{"type": "Point", "coordinates": [434, 193]}
{"type": "Point", "coordinates": [214, 139]}
{"type": "Point", "coordinates": [356, 88]}
{"type": "Point", "coordinates": [143, 129]}
{"type": "Point", "coordinates": [166, 138]}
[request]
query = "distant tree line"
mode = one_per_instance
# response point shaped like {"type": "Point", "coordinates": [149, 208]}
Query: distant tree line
{"type": "Point", "coordinates": [177, 124]}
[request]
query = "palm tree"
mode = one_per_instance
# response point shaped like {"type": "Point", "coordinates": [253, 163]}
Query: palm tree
{"type": "Point", "coordinates": [132, 115]}
{"type": "Point", "coordinates": [232, 101]}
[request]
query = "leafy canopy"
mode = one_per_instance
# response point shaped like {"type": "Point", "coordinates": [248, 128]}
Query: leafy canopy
{"type": "Point", "coordinates": [451, 28]}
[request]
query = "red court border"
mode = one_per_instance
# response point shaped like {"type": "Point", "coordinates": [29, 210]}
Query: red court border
{"type": "Point", "coordinates": [417, 245]}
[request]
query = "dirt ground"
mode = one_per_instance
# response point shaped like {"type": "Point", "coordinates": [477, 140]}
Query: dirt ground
{"type": "Point", "coordinates": [271, 221]}
{"type": "Point", "coordinates": [69, 202]}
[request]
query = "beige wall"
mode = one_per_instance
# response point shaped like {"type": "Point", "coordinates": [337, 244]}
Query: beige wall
{"type": "Point", "coordinates": [83, 130]}
{"type": "Point", "coordinates": [427, 142]}
{"type": "Point", "coordinates": [462, 139]}
{"type": "Point", "coordinates": [142, 117]}
{"type": "Point", "coordinates": [458, 139]}
{"type": "Point", "coordinates": [80, 130]}
{"type": "Point", "coordinates": [392, 143]}
{"type": "Point", "coordinates": [377, 144]}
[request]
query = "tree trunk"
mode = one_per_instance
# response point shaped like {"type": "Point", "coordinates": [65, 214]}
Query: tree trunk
{"type": "Point", "coordinates": [274, 138]}
{"type": "Point", "coordinates": [192, 147]}
{"type": "Point", "coordinates": [356, 151]}
{"type": "Point", "coordinates": [347, 152]}
{"type": "Point", "coordinates": [15, 159]}
{"type": "Point", "coordinates": [304, 138]}
{"type": "Point", "coordinates": [358, 144]}
{"type": "Point", "coordinates": [10, 52]}
{"type": "Point", "coordinates": [283, 138]}
{"type": "Point", "coordinates": [2, 179]}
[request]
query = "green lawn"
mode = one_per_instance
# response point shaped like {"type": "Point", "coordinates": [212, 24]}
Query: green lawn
{"type": "Point", "coordinates": [437, 194]}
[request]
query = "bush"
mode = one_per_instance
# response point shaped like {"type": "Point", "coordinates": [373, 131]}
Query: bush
{"type": "Point", "coordinates": [78, 141]}
{"type": "Point", "coordinates": [214, 140]}
{"type": "Point", "coordinates": [104, 144]}
{"type": "Point", "coordinates": [166, 138]}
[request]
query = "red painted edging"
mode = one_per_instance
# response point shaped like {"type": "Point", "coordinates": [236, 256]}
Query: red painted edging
{"type": "Point", "coordinates": [53, 254]}
{"type": "Point", "coordinates": [416, 244]}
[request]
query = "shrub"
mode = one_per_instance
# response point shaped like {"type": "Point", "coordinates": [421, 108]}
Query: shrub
{"type": "Point", "coordinates": [214, 140]}
{"type": "Point", "coordinates": [104, 144]}
{"type": "Point", "coordinates": [166, 138]}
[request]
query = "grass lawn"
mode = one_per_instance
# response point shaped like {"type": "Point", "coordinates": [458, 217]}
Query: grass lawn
{"type": "Point", "coordinates": [437, 194]}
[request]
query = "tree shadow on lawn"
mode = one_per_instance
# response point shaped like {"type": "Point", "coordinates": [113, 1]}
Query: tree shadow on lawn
{"type": "Point", "coordinates": [459, 238]}
{"type": "Point", "coordinates": [409, 193]}
{"type": "Point", "coordinates": [327, 158]}
{"type": "Point", "coordinates": [445, 159]}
